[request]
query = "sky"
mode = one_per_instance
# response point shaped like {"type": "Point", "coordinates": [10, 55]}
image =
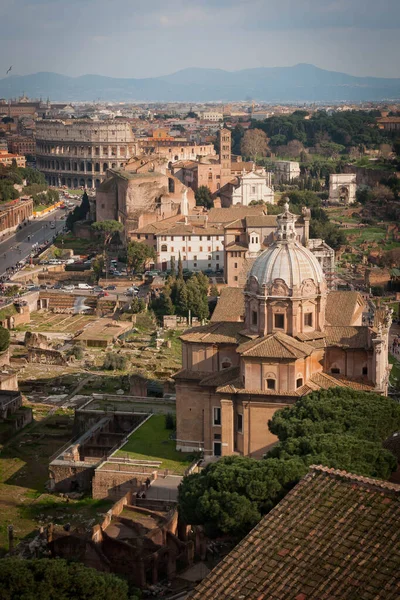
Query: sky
{"type": "Point", "coordinates": [147, 38]}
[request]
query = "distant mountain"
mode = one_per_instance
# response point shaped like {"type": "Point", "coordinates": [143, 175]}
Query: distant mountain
{"type": "Point", "coordinates": [274, 84]}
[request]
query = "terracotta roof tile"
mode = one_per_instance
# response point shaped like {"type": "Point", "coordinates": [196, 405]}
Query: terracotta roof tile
{"type": "Point", "coordinates": [343, 307]}
{"type": "Point", "coordinates": [335, 536]}
{"type": "Point", "coordinates": [276, 345]}
{"type": "Point", "coordinates": [221, 377]}
{"type": "Point", "coordinates": [230, 306]}
{"type": "Point", "coordinates": [214, 333]}
{"type": "Point", "coordinates": [227, 215]}
{"type": "Point", "coordinates": [347, 336]}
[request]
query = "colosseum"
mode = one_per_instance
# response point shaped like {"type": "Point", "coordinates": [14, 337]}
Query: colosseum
{"type": "Point", "coordinates": [77, 153]}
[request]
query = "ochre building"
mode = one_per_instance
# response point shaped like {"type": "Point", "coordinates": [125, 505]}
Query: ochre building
{"type": "Point", "coordinates": [281, 338]}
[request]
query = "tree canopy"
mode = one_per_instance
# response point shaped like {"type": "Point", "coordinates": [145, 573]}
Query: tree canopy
{"type": "Point", "coordinates": [138, 254]}
{"type": "Point", "coordinates": [50, 579]}
{"type": "Point", "coordinates": [203, 197]}
{"type": "Point", "coordinates": [180, 296]}
{"type": "Point", "coordinates": [107, 229]}
{"type": "Point", "coordinates": [341, 411]}
{"type": "Point", "coordinates": [230, 496]}
{"type": "Point", "coordinates": [339, 428]}
{"type": "Point", "coordinates": [254, 144]}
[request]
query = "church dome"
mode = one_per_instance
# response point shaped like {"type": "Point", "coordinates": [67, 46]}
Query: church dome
{"type": "Point", "coordinates": [286, 260]}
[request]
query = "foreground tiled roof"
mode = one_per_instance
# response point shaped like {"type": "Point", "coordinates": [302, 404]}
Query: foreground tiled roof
{"type": "Point", "coordinates": [276, 345]}
{"type": "Point", "coordinates": [335, 536]}
{"type": "Point", "coordinates": [230, 306]}
{"type": "Point", "coordinates": [347, 337]}
{"type": "Point", "coordinates": [342, 308]}
{"type": "Point", "coordinates": [214, 333]}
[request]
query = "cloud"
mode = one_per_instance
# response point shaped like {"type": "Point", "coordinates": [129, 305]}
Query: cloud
{"type": "Point", "coordinates": [142, 38]}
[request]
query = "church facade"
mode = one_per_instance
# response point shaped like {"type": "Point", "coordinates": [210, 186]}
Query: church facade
{"type": "Point", "coordinates": [282, 337]}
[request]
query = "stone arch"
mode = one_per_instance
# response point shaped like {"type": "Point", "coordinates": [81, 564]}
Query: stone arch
{"type": "Point", "coordinates": [226, 363]}
{"type": "Point", "coordinates": [75, 182]}
{"type": "Point", "coordinates": [90, 182]}
{"type": "Point", "coordinates": [113, 165]}
{"type": "Point", "coordinates": [97, 167]}
{"type": "Point", "coordinates": [97, 183]}
{"type": "Point", "coordinates": [81, 182]}
{"type": "Point", "coordinates": [344, 194]}
{"type": "Point", "coordinates": [105, 167]}
{"type": "Point", "coordinates": [335, 369]}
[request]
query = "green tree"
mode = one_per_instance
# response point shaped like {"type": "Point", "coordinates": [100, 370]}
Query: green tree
{"type": "Point", "coordinates": [339, 451]}
{"type": "Point", "coordinates": [341, 411]}
{"type": "Point", "coordinates": [107, 230]}
{"type": "Point", "coordinates": [50, 579]}
{"type": "Point", "coordinates": [230, 496]}
{"type": "Point", "coordinates": [173, 270]}
{"type": "Point", "coordinates": [4, 339]}
{"type": "Point", "coordinates": [180, 267]}
{"type": "Point", "coordinates": [203, 196]}
{"type": "Point", "coordinates": [138, 254]}
{"type": "Point", "coordinates": [85, 206]}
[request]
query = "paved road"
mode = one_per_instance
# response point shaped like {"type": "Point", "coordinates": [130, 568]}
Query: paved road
{"type": "Point", "coordinates": [16, 247]}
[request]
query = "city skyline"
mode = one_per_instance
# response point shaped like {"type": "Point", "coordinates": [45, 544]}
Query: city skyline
{"type": "Point", "coordinates": [132, 40]}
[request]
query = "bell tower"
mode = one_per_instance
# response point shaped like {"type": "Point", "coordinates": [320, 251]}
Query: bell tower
{"type": "Point", "coordinates": [225, 155]}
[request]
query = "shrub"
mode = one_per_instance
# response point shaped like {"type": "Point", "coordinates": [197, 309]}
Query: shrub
{"type": "Point", "coordinates": [113, 362]}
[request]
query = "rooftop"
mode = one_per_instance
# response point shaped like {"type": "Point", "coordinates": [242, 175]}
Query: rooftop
{"type": "Point", "coordinates": [334, 536]}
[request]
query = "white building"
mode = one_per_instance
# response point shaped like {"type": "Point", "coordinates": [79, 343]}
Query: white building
{"type": "Point", "coordinates": [200, 247]}
{"type": "Point", "coordinates": [253, 186]}
{"type": "Point", "coordinates": [342, 188]}
{"type": "Point", "coordinates": [212, 116]}
{"type": "Point", "coordinates": [286, 171]}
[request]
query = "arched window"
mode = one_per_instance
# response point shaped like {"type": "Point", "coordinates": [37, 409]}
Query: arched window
{"type": "Point", "coordinates": [335, 370]}
{"type": "Point", "coordinates": [171, 185]}
{"type": "Point", "coordinates": [299, 382]}
{"type": "Point", "coordinates": [164, 248]}
{"type": "Point", "coordinates": [226, 363]}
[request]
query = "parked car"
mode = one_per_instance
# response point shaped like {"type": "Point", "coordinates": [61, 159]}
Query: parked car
{"type": "Point", "coordinates": [111, 287]}
{"type": "Point", "coordinates": [102, 294]}
{"type": "Point", "coordinates": [55, 261]}
{"type": "Point", "coordinates": [84, 286]}
{"type": "Point", "coordinates": [97, 288]}
{"type": "Point", "coordinates": [133, 289]}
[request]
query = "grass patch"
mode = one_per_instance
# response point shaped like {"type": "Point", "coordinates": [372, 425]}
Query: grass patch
{"type": "Point", "coordinates": [79, 245]}
{"type": "Point", "coordinates": [152, 442]}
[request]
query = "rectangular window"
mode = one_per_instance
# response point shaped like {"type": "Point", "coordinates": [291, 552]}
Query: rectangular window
{"type": "Point", "coordinates": [172, 248]}
{"type": "Point", "coordinates": [209, 265]}
{"type": "Point", "coordinates": [138, 237]}
{"type": "Point", "coordinates": [209, 248]}
{"type": "Point", "coordinates": [217, 257]}
{"type": "Point", "coordinates": [194, 257]}
{"type": "Point", "coordinates": [189, 248]}
{"type": "Point", "coordinates": [308, 320]}
{"type": "Point", "coordinates": [200, 238]}
{"type": "Point", "coordinates": [240, 423]}
{"type": "Point", "coordinates": [217, 436]}
{"type": "Point", "coordinates": [254, 317]}
{"type": "Point", "coordinates": [201, 248]}
{"type": "Point", "coordinates": [216, 415]}
{"type": "Point", "coordinates": [236, 265]}
{"type": "Point", "coordinates": [235, 278]}
{"type": "Point", "coordinates": [195, 264]}
{"type": "Point", "coordinates": [209, 237]}
{"type": "Point", "coordinates": [172, 238]}
{"type": "Point", "coordinates": [279, 321]}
